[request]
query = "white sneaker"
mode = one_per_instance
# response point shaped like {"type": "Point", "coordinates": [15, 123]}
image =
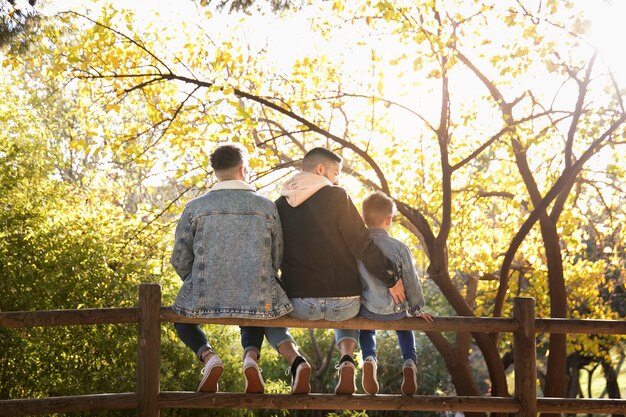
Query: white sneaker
{"type": "Point", "coordinates": [409, 378]}
{"type": "Point", "coordinates": [369, 379]}
{"type": "Point", "coordinates": [346, 384]}
{"type": "Point", "coordinates": [211, 374]}
{"type": "Point", "coordinates": [252, 377]}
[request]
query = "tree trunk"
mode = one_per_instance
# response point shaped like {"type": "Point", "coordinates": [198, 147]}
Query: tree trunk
{"type": "Point", "coordinates": [612, 386]}
{"type": "Point", "coordinates": [458, 366]}
{"type": "Point", "coordinates": [556, 373]}
{"type": "Point", "coordinates": [486, 344]}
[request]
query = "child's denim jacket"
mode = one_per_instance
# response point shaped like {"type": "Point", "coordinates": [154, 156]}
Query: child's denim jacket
{"type": "Point", "coordinates": [376, 296]}
{"type": "Point", "coordinates": [228, 247]}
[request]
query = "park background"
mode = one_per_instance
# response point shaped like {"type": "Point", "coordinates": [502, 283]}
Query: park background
{"type": "Point", "coordinates": [498, 127]}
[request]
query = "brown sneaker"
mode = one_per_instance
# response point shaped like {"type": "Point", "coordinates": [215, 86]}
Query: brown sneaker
{"type": "Point", "coordinates": [409, 378]}
{"type": "Point", "coordinates": [369, 379]}
{"type": "Point", "coordinates": [211, 374]}
{"type": "Point", "coordinates": [252, 377]}
{"type": "Point", "coordinates": [346, 372]}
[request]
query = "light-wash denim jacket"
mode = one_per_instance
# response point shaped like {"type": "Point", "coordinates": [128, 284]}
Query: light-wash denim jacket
{"type": "Point", "coordinates": [375, 296]}
{"type": "Point", "coordinates": [228, 247]}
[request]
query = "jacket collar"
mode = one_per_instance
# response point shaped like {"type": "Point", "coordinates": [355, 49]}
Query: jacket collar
{"type": "Point", "coordinates": [376, 231]}
{"type": "Point", "coordinates": [232, 185]}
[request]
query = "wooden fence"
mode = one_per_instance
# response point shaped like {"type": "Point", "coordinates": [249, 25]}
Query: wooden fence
{"type": "Point", "coordinates": [149, 399]}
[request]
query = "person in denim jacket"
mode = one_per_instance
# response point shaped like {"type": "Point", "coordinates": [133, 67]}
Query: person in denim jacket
{"type": "Point", "coordinates": [378, 303]}
{"type": "Point", "coordinates": [228, 248]}
{"type": "Point", "coordinates": [324, 235]}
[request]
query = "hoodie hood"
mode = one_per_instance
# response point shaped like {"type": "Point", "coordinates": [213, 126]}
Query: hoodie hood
{"type": "Point", "coordinates": [301, 186]}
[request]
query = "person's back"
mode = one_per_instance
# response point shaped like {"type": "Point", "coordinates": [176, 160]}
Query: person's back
{"type": "Point", "coordinates": [319, 260]}
{"type": "Point", "coordinates": [375, 296]}
{"type": "Point", "coordinates": [230, 221]}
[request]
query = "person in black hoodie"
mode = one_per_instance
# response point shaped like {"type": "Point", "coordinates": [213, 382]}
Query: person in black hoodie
{"type": "Point", "coordinates": [324, 235]}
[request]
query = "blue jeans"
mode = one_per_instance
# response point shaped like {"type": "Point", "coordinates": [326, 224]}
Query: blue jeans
{"type": "Point", "coordinates": [367, 338]}
{"type": "Point", "coordinates": [331, 309]}
{"type": "Point", "coordinates": [251, 337]}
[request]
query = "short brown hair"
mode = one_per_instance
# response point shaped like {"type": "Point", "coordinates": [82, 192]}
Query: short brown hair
{"type": "Point", "coordinates": [318, 156]}
{"type": "Point", "coordinates": [376, 207]}
{"type": "Point", "coordinates": [227, 156]}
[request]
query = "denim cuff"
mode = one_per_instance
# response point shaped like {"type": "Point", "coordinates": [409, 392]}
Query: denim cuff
{"type": "Point", "coordinates": [345, 338]}
{"type": "Point", "coordinates": [252, 349]}
{"type": "Point", "coordinates": [201, 350]}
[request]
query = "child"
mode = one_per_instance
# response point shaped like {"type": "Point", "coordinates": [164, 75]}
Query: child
{"type": "Point", "coordinates": [377, 302]}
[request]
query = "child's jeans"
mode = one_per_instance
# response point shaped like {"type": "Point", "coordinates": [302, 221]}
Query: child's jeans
{"type": "Point", "coordinates": [367, 338]}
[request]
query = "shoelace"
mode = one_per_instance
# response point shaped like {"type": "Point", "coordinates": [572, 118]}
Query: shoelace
{"type": "Point", "coordinates": [204, 367]}
{"type": "Point", "coordinates": [340, 363]}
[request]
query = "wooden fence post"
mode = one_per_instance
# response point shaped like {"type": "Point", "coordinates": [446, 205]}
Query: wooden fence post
{"type": "Point", "coordinates": [149, 350]}
{"type": "Point", "coordinates": [525, 356]}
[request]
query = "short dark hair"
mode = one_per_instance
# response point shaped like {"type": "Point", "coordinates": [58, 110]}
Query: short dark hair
{"type": "Point", "coordinates": [318, 156]}
{"type": "Point", "coordinates": [228, 156]}
{"type": "Point", "coordinates": [376, 207]}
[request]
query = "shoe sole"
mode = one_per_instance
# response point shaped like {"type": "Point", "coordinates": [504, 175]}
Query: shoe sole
{"type": "Point", "coordinates": [409, 387]}
{"type": "Point", "coordinates": [346, 381]}
{"type": "Point", "coordinates": [369, 382]}
{"type": "Point", "coordinates": [210, 383]}
{"type": "Point", "coordinates": [254, 383]}
{"type": "Point", "coordinates": [301, 383]}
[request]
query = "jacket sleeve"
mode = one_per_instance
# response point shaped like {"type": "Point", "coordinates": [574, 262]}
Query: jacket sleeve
{"type": "Point", "coordinates": [412, 286]}
{"type": "Point", "coordinates": [182, 255]}
{"type": "Point", "coordinates": [277, 241]}
{"type": "Point", "coordinates": [357, 238]}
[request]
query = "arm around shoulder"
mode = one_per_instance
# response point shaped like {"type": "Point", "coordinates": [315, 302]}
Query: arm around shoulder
{"type": "Point", "coordinates": [357, 237]}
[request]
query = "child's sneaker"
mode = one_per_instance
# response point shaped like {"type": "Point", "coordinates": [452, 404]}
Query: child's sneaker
{"type": "Point", "coordinates": [369, 379]}
{"type": "Point", "coordinates": [252, 377]}
{"type": "Point", "coordinates": [346, 371]}
{"type": "Point", "coordinates": [300, 374]}
{"type": "Point", "coordinates": [409, 377]}
{"type": "Point", "coordinates": [211, 374]}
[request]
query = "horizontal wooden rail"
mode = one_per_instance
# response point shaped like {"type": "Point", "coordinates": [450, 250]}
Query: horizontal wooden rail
{"type": "Point", "coordinates": [47, 318]}
{"type": "Point", "coordinates": [127, 401]}
{"type": "Point", "coordinates": [18, 319]}
{"type": "Point", "coordinates": [581, 406]}
{"type": "Point", "coordinates": [336, 402]}
{"type": "Point", "coordinates": [580, 326]}
{"type": "Point", "coordinates": [69, 404]}
{"type": "Point", "coordinates": [455, 324]}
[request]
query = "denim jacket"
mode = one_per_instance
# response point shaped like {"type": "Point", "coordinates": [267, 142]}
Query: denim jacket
{"type": "Point", "coordinates": [376, 297]}
{"type": "Point", "coordinates": [228, 247]}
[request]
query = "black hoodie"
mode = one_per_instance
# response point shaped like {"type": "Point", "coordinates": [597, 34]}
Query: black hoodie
{"type": "Point", "coordinates": [323, 236]}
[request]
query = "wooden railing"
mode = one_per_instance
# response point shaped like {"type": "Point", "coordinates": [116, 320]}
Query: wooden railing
{"type": "Point", "coordinates": [149, 399]}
